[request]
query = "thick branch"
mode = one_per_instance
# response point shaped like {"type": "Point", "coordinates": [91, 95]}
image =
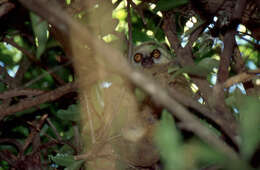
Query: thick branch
{"type": "Point", "coordinates": [229, 42]}
{"type": "Point", "coordinates": [20, 92]}
{"type": "Point", "coordinates": [169, 28]}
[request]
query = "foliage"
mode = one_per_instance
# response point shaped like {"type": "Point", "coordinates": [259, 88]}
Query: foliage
{"type": "Point", "coordinates": [36, 67]}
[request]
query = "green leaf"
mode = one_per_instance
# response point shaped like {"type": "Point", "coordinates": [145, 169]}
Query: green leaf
{"type": "Point", "coordinates": [67, 135]}
{"type": "Point", "coordinates": [66, 149]}
{"type": "Point", "coordinates": [203, 68]}
{"type": "Point", "coordinates": [2, 87]}
{"type": "Point", "coordinates": [249, 108]}
{"type": "Point", "coordinates": [203, 155]}
{"type": "Point", "coordinates": [68, 2]}
{"type": "Point", "coordinates": [233, 99]}
{"type": "Point", "coordinates": [52, 43]}
{"type": "Point", "coordinates": [21, 130]}
{"type": "Point", "coordinates": [139, 36]}
{"type": "Point", "coordinates": [40, 29]}
{"type": "Point", "coordinates": [169, 143]}
{"type": "Point", "coordinates": [75, 166]}
{"type": "Point", "coordinates": [67, 161]}
{"type": "Point", "coordinates": [164, 5]}
{"type": "Point", "coordinates": [205, 48]}
{"type": "Point", "coordinates": [140, 95]}
{"type": "Point", "coordinates": [72, 113]}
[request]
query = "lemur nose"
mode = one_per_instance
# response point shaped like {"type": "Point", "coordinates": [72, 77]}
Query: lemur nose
{"type": "Point", "coordinates": [147, 62]}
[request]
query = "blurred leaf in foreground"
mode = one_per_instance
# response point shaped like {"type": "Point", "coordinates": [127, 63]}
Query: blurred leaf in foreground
{"type": "Point", "coordinates": [169, 143]}
{"type": "Point", "coordinates": [249, 108]}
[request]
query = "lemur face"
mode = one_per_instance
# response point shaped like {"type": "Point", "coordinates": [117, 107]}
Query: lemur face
{"type": "Point", "coordinates": [148, 55]}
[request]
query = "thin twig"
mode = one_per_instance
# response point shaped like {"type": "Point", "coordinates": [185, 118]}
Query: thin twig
{"type": "Point", "coordinates": [77, 138]}
{"type": "Point", "coordinates": [54, 129]}
{"type": "Point", "coordinates": [130, 31]}
{"type": "Point", "coordinates": [34, 132]}
{"type": "Point", "coordinates": [139, 11]}
{"type": "Point", "coordinates": [48, 71]}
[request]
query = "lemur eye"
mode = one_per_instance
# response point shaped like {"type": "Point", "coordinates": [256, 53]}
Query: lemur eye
{"type": "Point", "coordinates": [156, 53]}
{"type": "Point", "coordinates": [138, 57]}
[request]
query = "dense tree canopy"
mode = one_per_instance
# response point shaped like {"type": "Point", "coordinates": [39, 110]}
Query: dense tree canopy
{"type": "Point", "coordinates": [70, 98]}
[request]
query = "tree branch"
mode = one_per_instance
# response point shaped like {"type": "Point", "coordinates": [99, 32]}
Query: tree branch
{"type": "Point", "coordinates": [169, 28]}
{"type": "Point", "coordinates": [229, 42]}
{"type": "Point", "coordinates": [31, 102]}
{"type": "Point", "coordinates": [196, 33]}
{"type": "Point", "coordinates": [20, 92]}
{"type": "Point", "coordinates": [5, 8]}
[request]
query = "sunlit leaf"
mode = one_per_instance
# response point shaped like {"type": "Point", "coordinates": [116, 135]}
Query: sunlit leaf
{"type": "Point", "coordinates": [68, 2]}
{"type": "Point", "coordinates": [120, 14]}
{"type": "Point", "coordinates": [40, 29]}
